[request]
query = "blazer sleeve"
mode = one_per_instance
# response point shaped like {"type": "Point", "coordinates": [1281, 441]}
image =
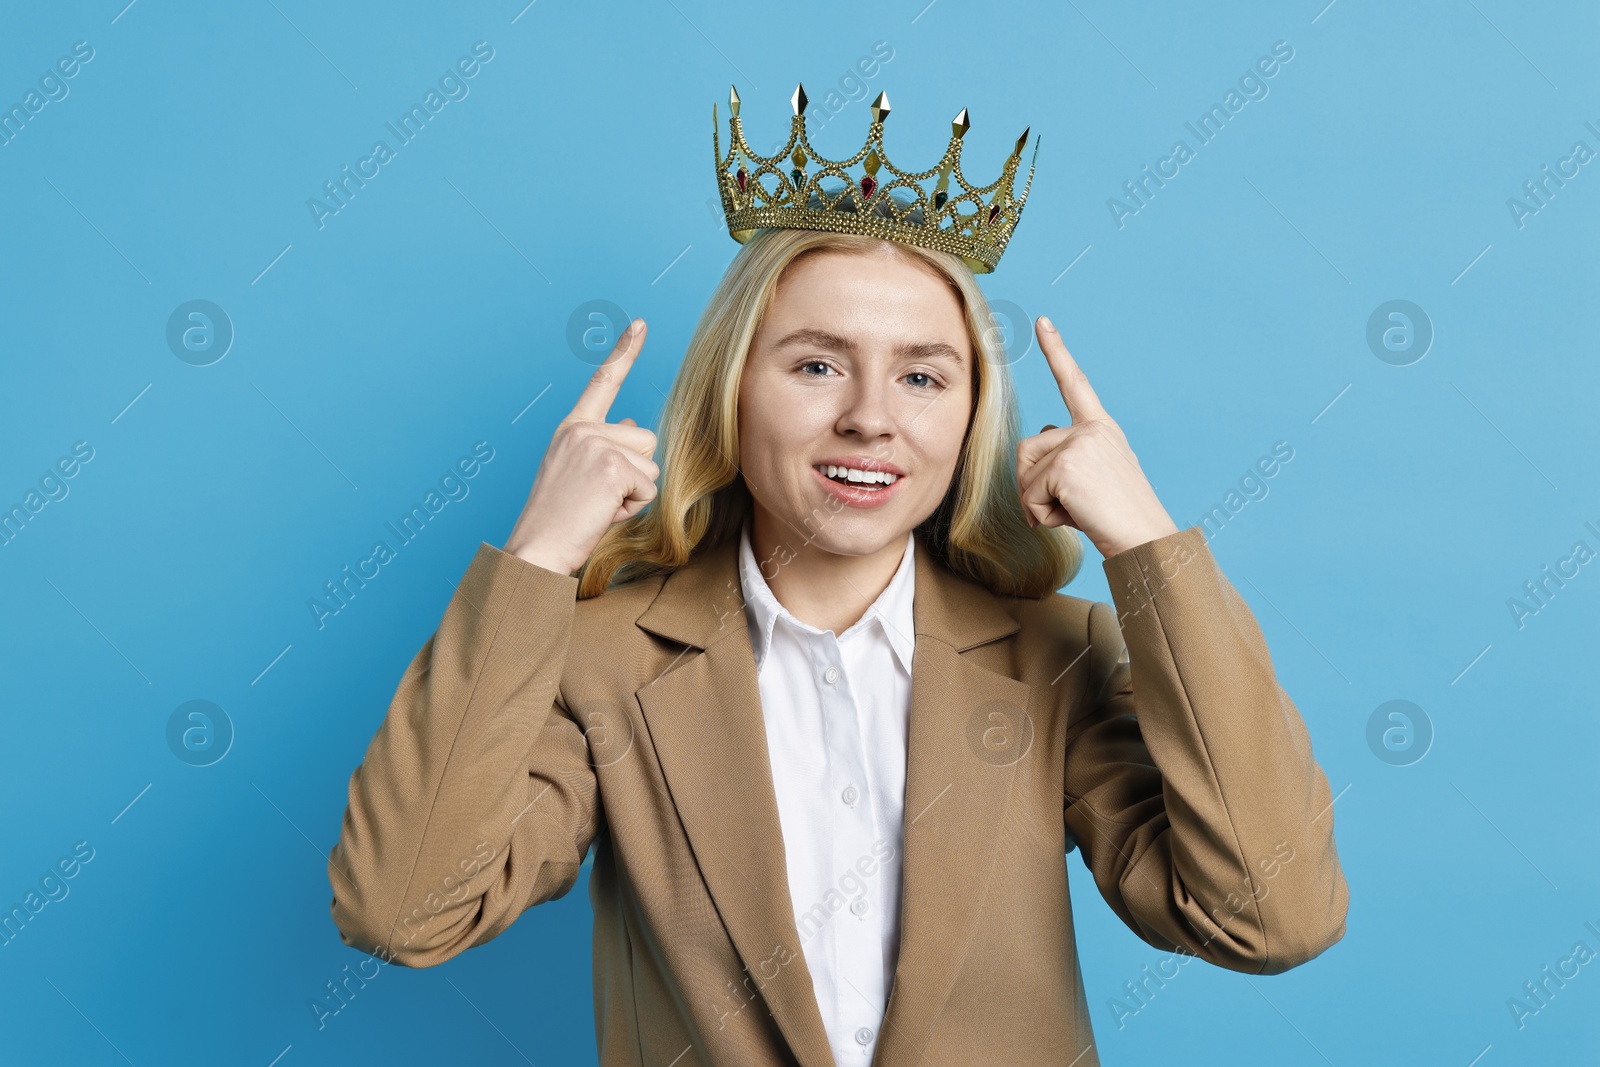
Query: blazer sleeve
{"type": "Point", "coordinates": [1190, 784]}
{"type": "Point", "coordinates": [476, 798]}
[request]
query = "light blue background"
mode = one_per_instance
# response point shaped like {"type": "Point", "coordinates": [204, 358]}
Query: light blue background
{"type": "Point", "coordinates": [1228, 314]}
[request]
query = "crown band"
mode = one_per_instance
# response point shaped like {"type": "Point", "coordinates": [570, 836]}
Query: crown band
{"type": "Point", "coordinates": [798, 199]}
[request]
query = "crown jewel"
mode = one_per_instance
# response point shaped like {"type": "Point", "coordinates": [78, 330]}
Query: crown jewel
{"type": "Point", "coordinates": [896, 207]}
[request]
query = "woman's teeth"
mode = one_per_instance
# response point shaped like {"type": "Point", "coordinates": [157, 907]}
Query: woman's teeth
{"type": "Point", "coordinates": [858, 477]}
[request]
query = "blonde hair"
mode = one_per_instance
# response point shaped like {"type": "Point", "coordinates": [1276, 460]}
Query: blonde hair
{"type": "Point", "coordinates": [979, 530]}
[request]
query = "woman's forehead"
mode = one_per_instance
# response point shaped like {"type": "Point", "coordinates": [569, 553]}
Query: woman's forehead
{"type": "Point", "coordinates": [865, 297]}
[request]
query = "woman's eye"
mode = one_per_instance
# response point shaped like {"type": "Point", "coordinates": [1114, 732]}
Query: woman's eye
{"type": "Point", "coordinates": [928, 381]}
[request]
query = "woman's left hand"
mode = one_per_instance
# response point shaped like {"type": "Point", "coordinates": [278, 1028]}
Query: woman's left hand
{"type": "Point", "coordinates": [1084, 475]}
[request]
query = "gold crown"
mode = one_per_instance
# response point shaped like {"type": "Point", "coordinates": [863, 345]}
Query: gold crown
{"type": "Point", "coordinates": [799, 200]}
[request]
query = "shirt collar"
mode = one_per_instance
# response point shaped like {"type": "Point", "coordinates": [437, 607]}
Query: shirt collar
{"type": "Point", "coordinates": [892, 611]}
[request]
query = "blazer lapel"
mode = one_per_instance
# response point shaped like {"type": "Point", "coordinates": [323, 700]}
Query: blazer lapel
{"type": "Point", "coordinates": [705, 721]}
{"type": "Point", "coordinates": [968, 731]}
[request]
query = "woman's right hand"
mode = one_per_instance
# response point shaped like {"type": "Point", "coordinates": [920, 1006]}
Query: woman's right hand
{"type": "Point", "coordinates": [594, 473]}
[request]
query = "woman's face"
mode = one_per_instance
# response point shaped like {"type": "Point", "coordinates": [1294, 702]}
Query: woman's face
{"type": "Point", "coordinates": [861, 361]}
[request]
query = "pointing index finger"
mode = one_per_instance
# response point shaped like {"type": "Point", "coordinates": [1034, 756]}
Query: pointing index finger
{"type": "Point", "coordinates": [594, 403]}
{"type": "Point", "coordinates": [1081, 400]}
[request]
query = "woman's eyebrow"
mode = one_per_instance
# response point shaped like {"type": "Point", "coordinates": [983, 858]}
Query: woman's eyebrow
{"type": "Point", "coordinates": [820, 338]}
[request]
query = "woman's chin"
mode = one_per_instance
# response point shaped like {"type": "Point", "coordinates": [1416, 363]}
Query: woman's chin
{"type": "Point", "coordinates": [853, 535]}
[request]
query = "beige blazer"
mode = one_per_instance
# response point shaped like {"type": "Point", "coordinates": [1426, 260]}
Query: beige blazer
{"type": "Point", "coordinates": [531, 727]}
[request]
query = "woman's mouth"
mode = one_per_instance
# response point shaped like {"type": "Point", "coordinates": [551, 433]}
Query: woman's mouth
{"type": "Point", "coordinates": [858, 488]}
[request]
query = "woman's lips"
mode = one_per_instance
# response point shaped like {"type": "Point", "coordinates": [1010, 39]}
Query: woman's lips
{"type": "Point", "coordinates": [855, 496]}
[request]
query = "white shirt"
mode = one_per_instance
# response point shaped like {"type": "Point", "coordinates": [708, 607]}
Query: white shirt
{"type": "Point", "coordinates": [837, 709]}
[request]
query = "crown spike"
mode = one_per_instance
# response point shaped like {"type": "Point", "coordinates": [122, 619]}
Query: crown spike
{"type": "Point", "coordinates": [798, 100]}
{"type": "Point", "coordinates": [960, 125]}
{"type": "Point", "coordinates": [1031, 164]}
{"type": "Point", "coordinates": [1021, 142]}
{"type": "Point", "coordinates": [880, 107]}
{"type": "Point", "coordinates": [733, 100]}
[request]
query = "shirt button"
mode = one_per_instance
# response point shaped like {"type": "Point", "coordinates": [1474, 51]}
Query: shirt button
{"type": "Point", "coordinates": [864, 1035]}
{"type": "Point", "coordinates": [850, 795]}
{"type": "Point", "coordinates": [831, 675]}
{"type": "Point", "coordinates": [858, 907]}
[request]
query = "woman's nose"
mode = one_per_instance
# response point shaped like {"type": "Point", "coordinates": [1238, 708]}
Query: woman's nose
{"type": "Point", "coordinates": [867, 411]}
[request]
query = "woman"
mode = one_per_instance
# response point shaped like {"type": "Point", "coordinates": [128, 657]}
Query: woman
{"type": "Point", "coordinates": [831, 741]}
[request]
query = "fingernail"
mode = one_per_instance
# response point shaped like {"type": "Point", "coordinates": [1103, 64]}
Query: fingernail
{"type": "Point", "coordinates": [635, 326]}
{"type": "Point", "coordinates": [1045, 322]}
